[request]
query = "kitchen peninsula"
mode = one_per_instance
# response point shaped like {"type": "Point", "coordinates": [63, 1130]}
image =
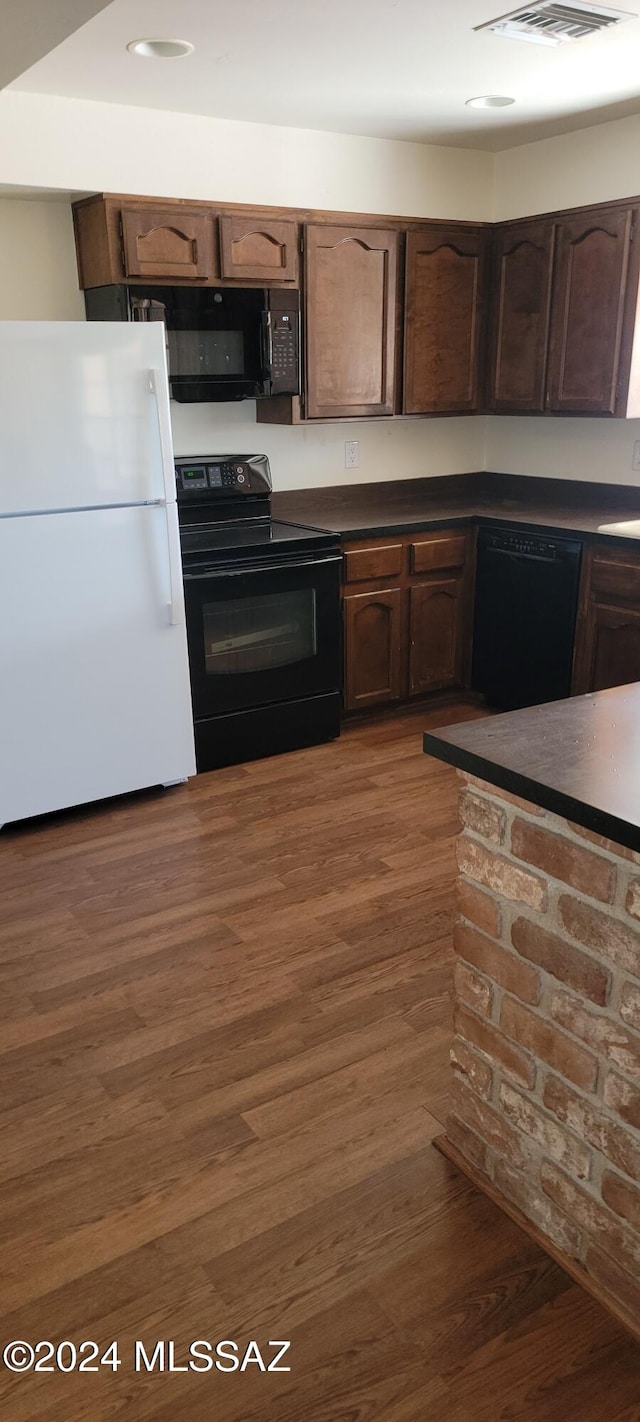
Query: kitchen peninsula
{"type": "Point", "coordinates": [545, 1116]}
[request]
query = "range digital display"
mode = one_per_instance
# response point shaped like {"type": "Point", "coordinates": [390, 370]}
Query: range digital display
{"type": "Point", "coordinates": [195, 475]}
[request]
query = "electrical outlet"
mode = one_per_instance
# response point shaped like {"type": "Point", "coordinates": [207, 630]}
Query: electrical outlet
{"type": "Point", "coordinates": [635, 462]}
{"type": "Point", "coordinates": [352, 453]}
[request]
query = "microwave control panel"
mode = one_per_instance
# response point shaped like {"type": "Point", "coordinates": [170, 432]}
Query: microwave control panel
{"type": "Point", "coordinates": [284, 352]}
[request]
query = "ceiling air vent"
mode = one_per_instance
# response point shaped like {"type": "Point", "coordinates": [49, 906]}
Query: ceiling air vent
{"type": "Point", "coordinates": [549, 22]}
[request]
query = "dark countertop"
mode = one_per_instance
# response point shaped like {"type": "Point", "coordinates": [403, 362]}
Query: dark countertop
{"type": "Point", "coordinates": [579, 758]}
{"type": "Point", "coordinates": [369, 510]}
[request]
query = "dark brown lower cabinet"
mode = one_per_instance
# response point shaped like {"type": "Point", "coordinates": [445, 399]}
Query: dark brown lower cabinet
{"type": "Point", "coordinates": [374, 637]}
{"type": "Point", "coordinates": [436, 611]}
{"type": "Point", "coordinates": [407, 616]}
{"type": "Point", "coordinates": [607, 651]}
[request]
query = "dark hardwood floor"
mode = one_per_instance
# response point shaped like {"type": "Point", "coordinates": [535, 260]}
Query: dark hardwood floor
{"type": "Point", "coordinates": [224, 1031]}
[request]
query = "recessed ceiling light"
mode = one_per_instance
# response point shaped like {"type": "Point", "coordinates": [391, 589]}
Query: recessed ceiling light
{"type": "Point", "coordinates": [160, 48]}
{"type": "Point", "coordinates": [489, 101]}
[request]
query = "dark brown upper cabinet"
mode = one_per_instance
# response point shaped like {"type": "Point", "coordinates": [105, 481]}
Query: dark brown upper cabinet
{"type": "Point", "coordinates": [255, 249]}
{"type": "Point", "coordinates": [166, 243]}
{"type": "Point", "coordinates": [350, 310]}
{"type": "Point", "coordinates": [592, 272]}
{"type": "Point", "coordinates": [521, 279]}
{"type": "Point", "coordinates": [443, 319]}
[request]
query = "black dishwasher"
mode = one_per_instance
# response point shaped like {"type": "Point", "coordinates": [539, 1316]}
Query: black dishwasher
{"type": "Point", "coordinates": [525, 615]}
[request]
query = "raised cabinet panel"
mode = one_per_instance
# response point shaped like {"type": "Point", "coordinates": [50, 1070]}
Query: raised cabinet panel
{"type": "Point", "coordinates": [615, 643]}
{"type": "Point", "coordinates": [435, 635]}
{"type": "Point", "coordinates": [373, 637]}
{"type": "Point", "coordinates": [522, 271]}
{"type": "Point", "coordinates": [588, 310]}
{"type": "Point", "coordinates": [253, 249]}
{"type": "Point", "coordinates": [167, 243]}
{"type": "Point", "coordinates": [444, 287]}
{"type": "Point", "coordinates": [350, 321]}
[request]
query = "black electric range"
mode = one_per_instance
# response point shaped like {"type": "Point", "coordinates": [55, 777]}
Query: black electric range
{"type": "Point", "coordinates": [263, 615]}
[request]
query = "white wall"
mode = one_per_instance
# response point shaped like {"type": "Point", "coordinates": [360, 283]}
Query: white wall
{"type": "Point", "coordinates": [73, 145]}
{"type": "Point", "coordinates": [38, 273]}
{"type": "Point", "coordinates": [592, 165]}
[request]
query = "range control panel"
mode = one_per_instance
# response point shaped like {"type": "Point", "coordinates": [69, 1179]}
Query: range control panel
{"type": "Point", "coordinates": [220, 474]}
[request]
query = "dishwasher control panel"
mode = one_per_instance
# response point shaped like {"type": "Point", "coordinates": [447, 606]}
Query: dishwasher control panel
{"type": "Point", "coordinates": [529, 545]}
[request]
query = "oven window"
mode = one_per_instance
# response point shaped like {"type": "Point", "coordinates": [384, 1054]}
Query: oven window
{"type": "Point", "coordinates": [253, 634]}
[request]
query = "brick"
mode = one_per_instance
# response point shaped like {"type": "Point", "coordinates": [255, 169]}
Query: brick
{"type": "Point", "coordinates": [498, 1048]}
{"type": "Point", "coordinates": [482, 816]}
{"type": "Point", "coordinates": [527, 1196]}
{"type": "Point", "coordinates": [559, 857]}
{"type": "Point", "coordinates": [480, 1117]}
{"type": "Point", "coordinates": [601, 932]}
{"type": "Point", "coordinates": [552, 1139]}
{"type": "Point", "coordinates": [588, 1214]}
{"type": "Point", "coordinates": [544, 1040]}
{"type": "Point", "coordinates": [479, 908]}
{"type": "Point", "coordinates": [623, 1197]}
{"type": "Point", "coordinates": [500, 874]}
{"type": "Point", "coordinates": [498, 963]}
{"type": "Point", "coordinates": [605, 1034]}
{"type": "Point", "coordinates": [562, 960]}
{"type": "Point", "coordinates": [477, 1073]}
{"type": "Point", "coordinates": [622, 1097]}
{"type": "Point", "coordinates": [501, 794]}
{"type": "Point", "coordinates": [590, 1123]}
{"type": "Point", "coordinates": [615, 1281]}
{"type": "Point", "coordinates": [630, 1005]}
{"type": "Point", "coordinates": [473, 990]}
{"type": "Point", "coordinates": [632, 902]}
{"type": "Point", "coordinates": [468, 1143]}
{"type": "Point", "coordinates": [620, 850]}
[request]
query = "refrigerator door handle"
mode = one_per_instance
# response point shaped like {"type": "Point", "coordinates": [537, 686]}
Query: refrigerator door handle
{"type": "Point", "coordinates": [157, 387]}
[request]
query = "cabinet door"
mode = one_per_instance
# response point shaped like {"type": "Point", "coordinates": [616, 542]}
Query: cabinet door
{"type": "Point", "coordinates": [350, 280]}
{"type": "Point", "coordinates": [444, 282]}
{"type": "Point", "coordinates": [167, 242]}
{"type": "Point", "coordinates": [522, 269]}
{"type": "Point", "coordinates": [588, 309]}
{"type": "Point", "coordinates": [613, 635]}
{"type": "Point", "coordinates": [373, 642]}
{"type": "Point", "coordinates": [255, 249]}
{"type": "Point", "coordinates": [435, 635]}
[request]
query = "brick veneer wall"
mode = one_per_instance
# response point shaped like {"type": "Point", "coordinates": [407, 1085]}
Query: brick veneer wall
{"type": "Point", "coordinates": [546, 1055]}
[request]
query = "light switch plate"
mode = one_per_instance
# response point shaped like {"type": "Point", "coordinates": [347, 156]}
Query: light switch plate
{"type": "Point", "coordinates": [635, 462]}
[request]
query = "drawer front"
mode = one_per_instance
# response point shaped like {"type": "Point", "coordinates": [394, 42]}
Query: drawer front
{"type": "Point", "coordinates": [384, 561]}
{"type": "Point", "coordinates": [617, 578]}
{"type": "Point", "coordinates": [430, 554]}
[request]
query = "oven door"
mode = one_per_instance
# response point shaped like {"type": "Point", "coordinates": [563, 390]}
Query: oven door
{"type": "Point", "coordinates": [263, 633]}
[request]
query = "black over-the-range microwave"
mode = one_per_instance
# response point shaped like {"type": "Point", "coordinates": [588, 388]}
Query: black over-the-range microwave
{"type": "Point", "coordinates": [223, 343]}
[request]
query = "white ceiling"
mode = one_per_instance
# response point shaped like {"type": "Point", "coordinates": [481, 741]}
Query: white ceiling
{"type": "Point", "coordinates": [388, 68]}
{"type": "Point", "coordinates": [31, 28]}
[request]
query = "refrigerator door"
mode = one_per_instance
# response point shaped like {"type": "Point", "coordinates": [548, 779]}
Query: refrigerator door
{"type": "Point", "coordinates": [95, 694]}
{"type": "Point", "coordinates": [84, 415]}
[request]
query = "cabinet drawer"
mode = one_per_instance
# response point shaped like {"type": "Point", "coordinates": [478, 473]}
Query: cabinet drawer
{"type": "Point", "coordinates": [433, 553]}
{"type": "Point", "coordinates": [360, 564]}
{"type": "Point", "coordinates": [616, 578]}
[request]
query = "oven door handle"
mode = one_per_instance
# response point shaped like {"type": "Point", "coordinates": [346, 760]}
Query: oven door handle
{"type": "Point", "coordinates": [268, 566]}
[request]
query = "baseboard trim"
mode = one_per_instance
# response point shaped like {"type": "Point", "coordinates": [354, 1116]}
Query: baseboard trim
{"type": "Point", "coordinates": [576, 1271]}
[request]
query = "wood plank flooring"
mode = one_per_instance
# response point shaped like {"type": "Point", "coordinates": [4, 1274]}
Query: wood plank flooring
{"type": "Point", "coordinates": [224, 1031]}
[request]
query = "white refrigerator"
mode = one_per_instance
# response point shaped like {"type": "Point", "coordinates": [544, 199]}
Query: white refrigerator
{"type": "Point", "coordinates": [94, 677]}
